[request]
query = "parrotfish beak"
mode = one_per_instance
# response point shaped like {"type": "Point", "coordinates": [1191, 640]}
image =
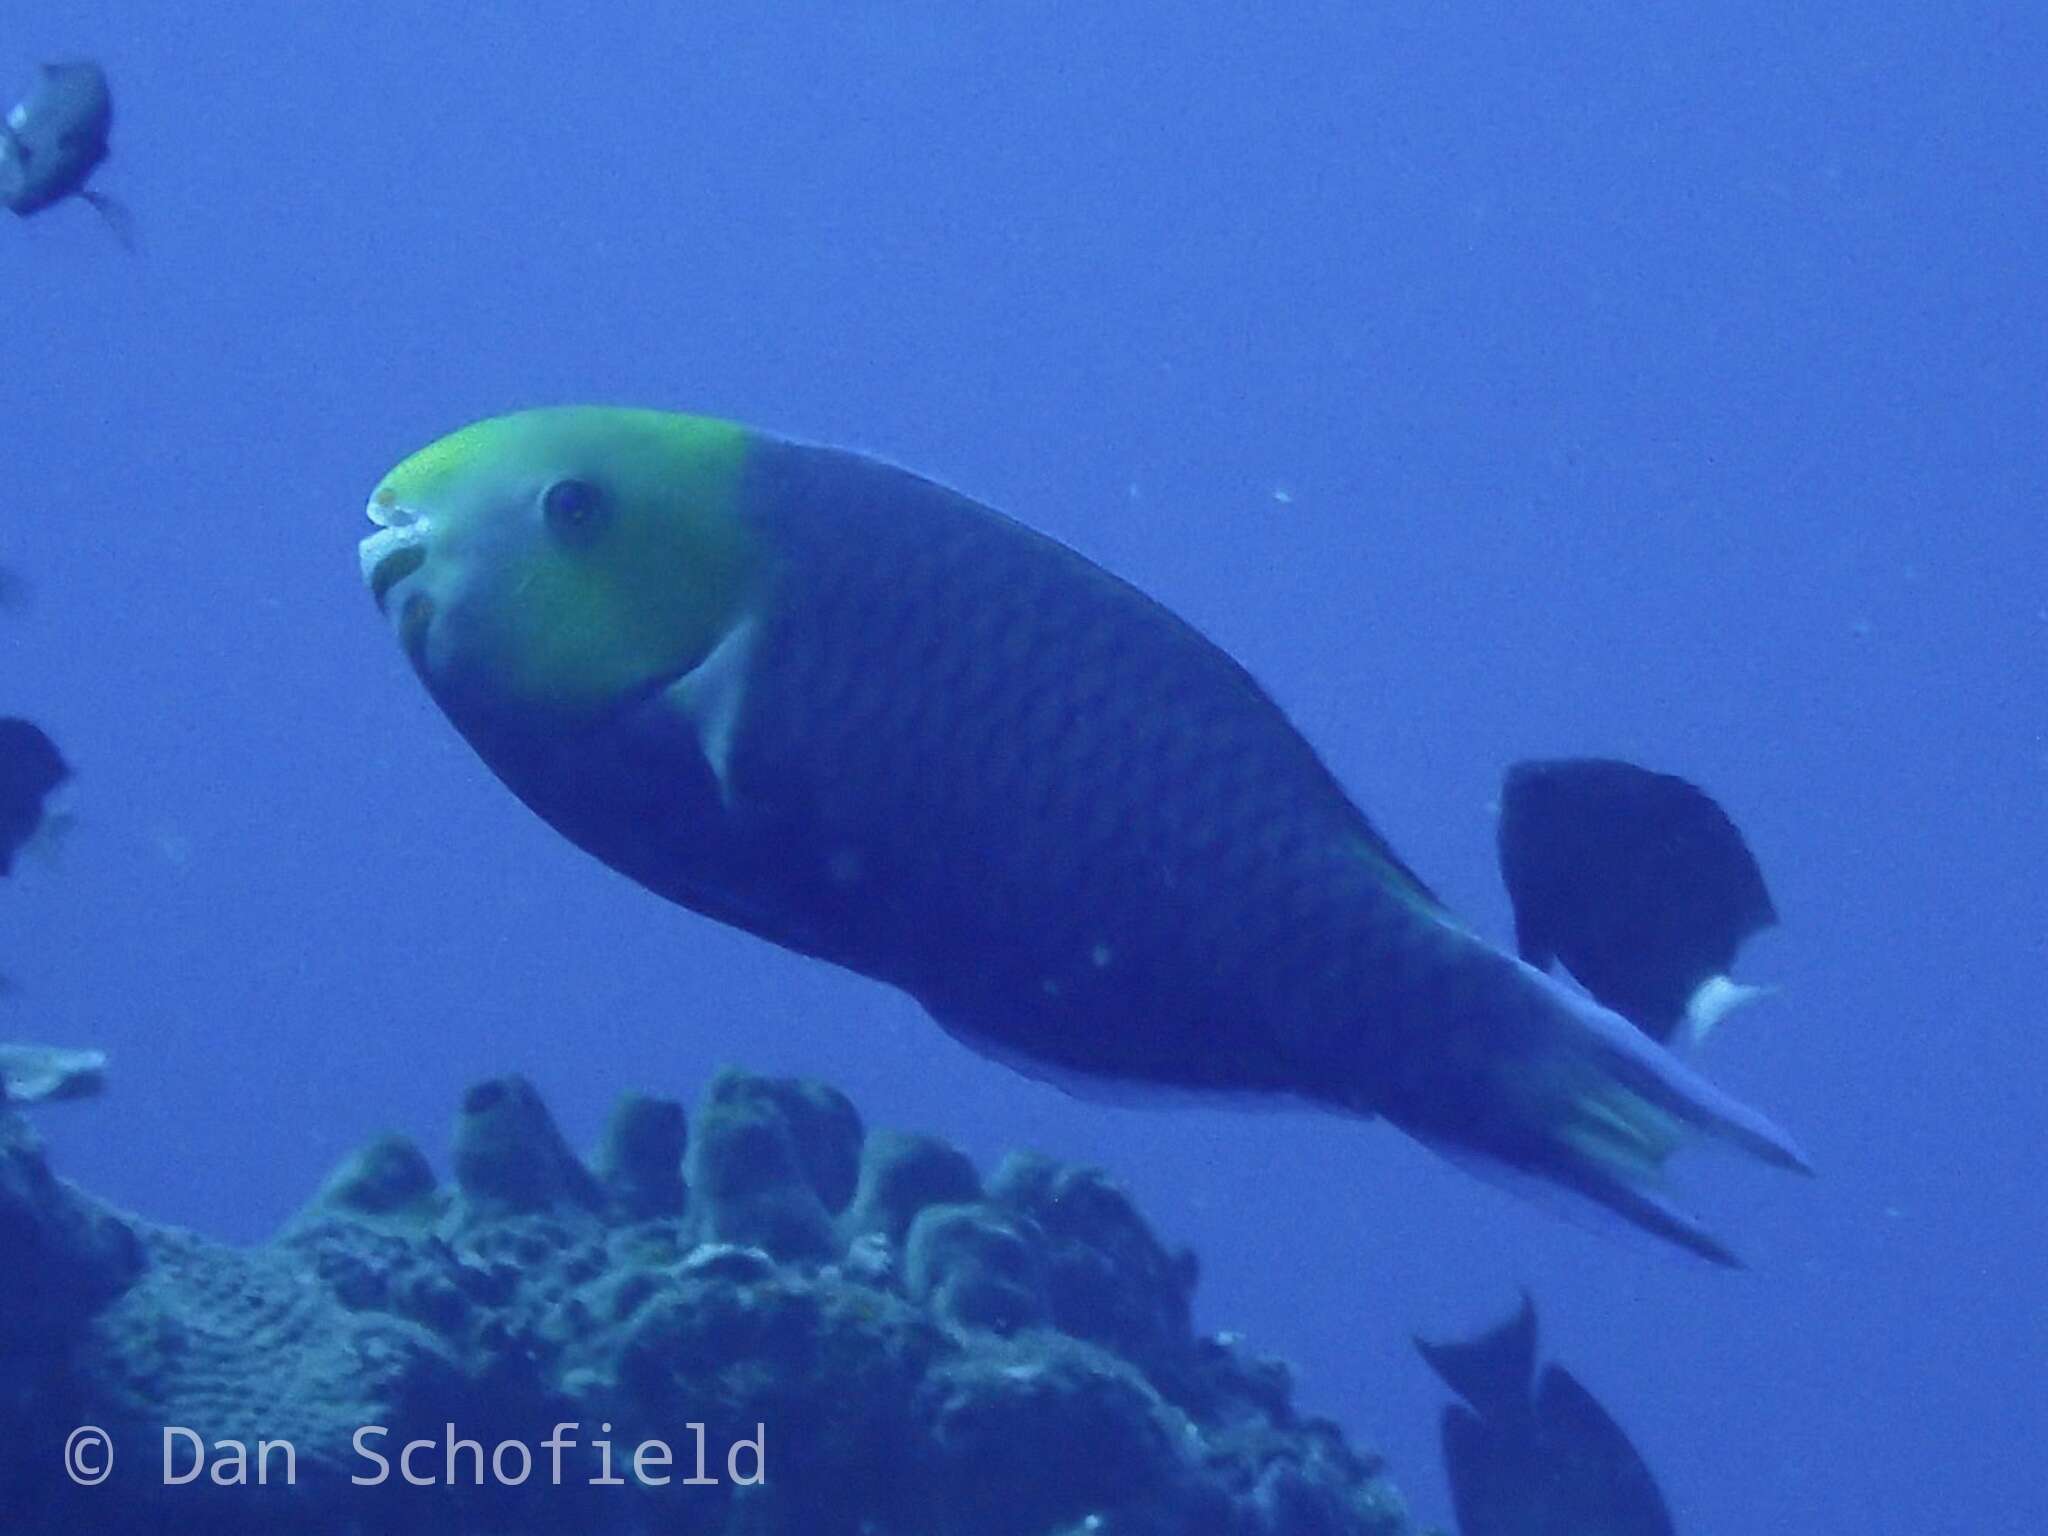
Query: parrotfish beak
{"type": "Point", "coordinates": [394, 552]}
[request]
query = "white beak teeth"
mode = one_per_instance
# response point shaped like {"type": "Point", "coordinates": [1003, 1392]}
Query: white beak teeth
{"type": "Point", "coordinates": [386, 513]}
{"type": "Point", "coordinates": [390, 555]}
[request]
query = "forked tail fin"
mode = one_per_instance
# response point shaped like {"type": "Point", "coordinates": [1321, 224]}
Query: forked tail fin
{"type": "Point", "coordinates": [1526, 1080]}
{"type": "Point", "coordinates": [1495, 1372]}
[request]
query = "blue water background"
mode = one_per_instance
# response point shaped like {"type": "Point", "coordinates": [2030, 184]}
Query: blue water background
{"type": "Point", "coordinates": [1647, 379]}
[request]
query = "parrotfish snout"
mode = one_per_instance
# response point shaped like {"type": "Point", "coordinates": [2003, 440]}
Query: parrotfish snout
{"type": "Point", "coordinates": [395, 551]}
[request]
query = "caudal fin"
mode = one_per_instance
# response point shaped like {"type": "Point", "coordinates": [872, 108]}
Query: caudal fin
{"type": "Point", "coordinates": [1495, 1372]}
{"type": "Point", "coordinates": [1527, 1081]}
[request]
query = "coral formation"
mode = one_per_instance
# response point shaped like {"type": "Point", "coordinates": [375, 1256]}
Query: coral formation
{"type": "Point", "coordinates": [31, 1072]}
{"type": "Point", "coordinates": [774, 1322]}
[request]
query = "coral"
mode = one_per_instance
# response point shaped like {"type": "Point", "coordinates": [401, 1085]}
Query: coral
{"type": "Point", "coordinates": [640, 1164]}
{"type": "Point", "coordinates": [65, 1257]}
{"type": "Point", "coordinates": [901, 1174]}
{"type": "Point", "coordinates": [390, 1178]}
{"type": "Point", "coordinates": [62, 1260]}
{"type": "Point", "coordinates": [509, 1158]}
{"type": "Point", "coordinates": [773, 1323]}
{"type": "Point", "coordinates": [32, 1072]}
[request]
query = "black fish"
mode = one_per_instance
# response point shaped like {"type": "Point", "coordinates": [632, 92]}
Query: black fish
{"type": "Point", "coordinates": [54, 140]}
{"type": "Point", "coordinates": [1637, 883]}
{"type": "Point", "coordinates": [30, 768]}
{"type": "Point", "coordinates": [1536, 1456]}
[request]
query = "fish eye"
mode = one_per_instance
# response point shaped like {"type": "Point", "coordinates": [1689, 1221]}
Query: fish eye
{"type": "Point", "coordinates": [574, 509]}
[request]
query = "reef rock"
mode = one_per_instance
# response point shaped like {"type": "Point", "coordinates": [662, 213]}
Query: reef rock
{"type": "Point", "coordinates": [63, 1259]}
{"type": "Point", "coordinates": [754, 1320]}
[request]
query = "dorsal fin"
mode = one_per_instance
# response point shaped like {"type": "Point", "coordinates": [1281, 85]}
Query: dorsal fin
{"type": "Point", "coordinates": [1637, 882]}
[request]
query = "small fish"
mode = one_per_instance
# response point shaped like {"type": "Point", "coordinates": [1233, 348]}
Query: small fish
{"type": "Point", "coordinates": [856, 713]}
{"type": "Point", "coordinates": [1637, 883]}
{"type": "Point", "coordinates": [53, 141]}
{"type": "Point", "coordinates": [31, 768]}
{"type": "Point", "coordinates": [1531, 1455]}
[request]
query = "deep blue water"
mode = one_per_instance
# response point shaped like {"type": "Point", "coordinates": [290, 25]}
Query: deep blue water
{"type": "Point", "coordinates": [1638, 379]}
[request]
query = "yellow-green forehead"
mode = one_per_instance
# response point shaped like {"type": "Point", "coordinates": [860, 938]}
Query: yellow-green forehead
{"type": "Point", "coordinates": [570, 439]}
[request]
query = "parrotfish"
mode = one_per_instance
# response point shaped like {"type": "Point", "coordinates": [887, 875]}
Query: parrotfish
{"type": "Point", "coordinates": [1530, 1455]}
{"type": "Point", "coordinates": [842, 707]}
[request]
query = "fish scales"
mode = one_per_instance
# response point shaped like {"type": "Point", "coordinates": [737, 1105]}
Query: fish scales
{"type": "Point", "coordinates": [1051, 788]}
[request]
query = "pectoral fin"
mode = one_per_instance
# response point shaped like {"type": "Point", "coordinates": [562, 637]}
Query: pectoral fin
{"type": "Point", "coordinates": [711, 695]}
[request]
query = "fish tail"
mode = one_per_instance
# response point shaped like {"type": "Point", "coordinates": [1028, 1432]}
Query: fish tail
{"type": "Point", "coordinates": [1528, 1082]}
{"type": "Point", "coordinates": [1496, 1372]}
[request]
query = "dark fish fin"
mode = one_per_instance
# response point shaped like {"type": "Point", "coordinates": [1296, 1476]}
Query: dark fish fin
{"type": "Point", "coordinates": [1608, 1475]}
{"type": "Point", "coordinates": [1637, 882]}
{"type": "Point", "coordinates": [1495, 1372]}
{"type": "Point", "coordinates": [117, 217]}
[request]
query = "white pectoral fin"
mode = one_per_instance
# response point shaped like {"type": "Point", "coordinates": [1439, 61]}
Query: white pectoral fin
{"type": "Point", "coordinates": [710, 697]}
{"type": "Point", "coordinates": [1715, 999]}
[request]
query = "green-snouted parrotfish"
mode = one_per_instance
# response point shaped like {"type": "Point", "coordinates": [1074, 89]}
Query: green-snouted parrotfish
{"type": "Point", "coordinates": [55, 138]}
{"type": "Point", "coordinates": [1536, 1455]}
{"type": "Point", "coordinates": [842, 707]}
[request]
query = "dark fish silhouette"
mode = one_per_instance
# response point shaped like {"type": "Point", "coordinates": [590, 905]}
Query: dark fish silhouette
{"type": "Point", "coordinates": [54, 140]}
{"type": "Point", "coordinates": [30, 768]}
{"type": "Point", "coordinates": [1637, 883]}
{"type": "Point", "coordinates": [1531, 1455]}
